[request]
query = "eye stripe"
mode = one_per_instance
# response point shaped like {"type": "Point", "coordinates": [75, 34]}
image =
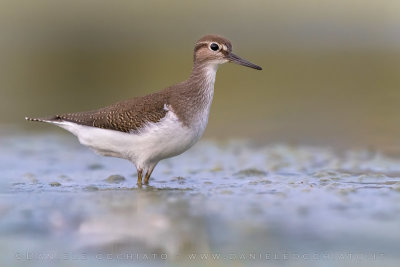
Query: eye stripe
{"type": "Point", "coordinates": [200, 45]}
{"type": "Point", "coordinates": [205, 44]}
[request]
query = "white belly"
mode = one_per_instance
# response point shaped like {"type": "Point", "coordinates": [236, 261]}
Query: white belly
{"type": "Point", "coordinates": [156, 141]}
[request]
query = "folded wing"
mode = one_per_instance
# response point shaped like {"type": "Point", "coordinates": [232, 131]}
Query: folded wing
{"type": "Point", "coordinates": [127, 116]}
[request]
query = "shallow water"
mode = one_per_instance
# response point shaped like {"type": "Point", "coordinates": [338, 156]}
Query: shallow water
{"type": "Point", "coordinates": [220, 203]}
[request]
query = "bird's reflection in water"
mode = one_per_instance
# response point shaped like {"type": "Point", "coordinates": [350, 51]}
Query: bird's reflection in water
{"type": "Point", "coordinates": [145, 221]}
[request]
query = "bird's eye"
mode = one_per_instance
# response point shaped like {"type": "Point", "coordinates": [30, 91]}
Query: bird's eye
{"type": "Point", "coordinates": [214, 46]}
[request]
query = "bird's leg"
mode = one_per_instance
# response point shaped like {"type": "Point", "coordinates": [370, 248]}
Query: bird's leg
{"type": "Point", "coordinates": [148, 173]}
{"type": "Point", "coordinates": [139, 177]}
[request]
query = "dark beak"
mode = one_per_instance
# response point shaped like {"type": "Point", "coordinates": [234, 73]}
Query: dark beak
{"type": "Point", "coordinates": [235, 59]}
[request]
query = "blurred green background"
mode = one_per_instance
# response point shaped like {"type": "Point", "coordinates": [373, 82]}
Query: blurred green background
{"type": "Point", "coordinates": [330, 68]}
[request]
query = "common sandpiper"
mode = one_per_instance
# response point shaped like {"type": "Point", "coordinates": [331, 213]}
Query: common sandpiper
{"type": "Point", "coordinates": [147, 129]}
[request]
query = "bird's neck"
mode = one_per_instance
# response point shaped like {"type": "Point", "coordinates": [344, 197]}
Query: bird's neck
{"type": "Point", "coordinates": [192, 100]}
{"type": "Point", "coordinates": [202, 79]}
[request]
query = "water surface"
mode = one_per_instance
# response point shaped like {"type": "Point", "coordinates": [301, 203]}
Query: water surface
{"type": "Point", "coordinates": [234, 201]}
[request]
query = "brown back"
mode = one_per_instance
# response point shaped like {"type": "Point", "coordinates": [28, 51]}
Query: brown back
{"type": "Point", "coordinates": [126, 116]}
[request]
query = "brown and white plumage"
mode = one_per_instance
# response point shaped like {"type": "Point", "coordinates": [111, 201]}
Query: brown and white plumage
{"type": "Point", "coordinates": [126, 116]}
{"type": "Point", "coordinates": [150, 128]}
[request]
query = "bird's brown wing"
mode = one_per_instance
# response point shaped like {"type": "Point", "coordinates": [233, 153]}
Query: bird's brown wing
{"type": "Point", "coordinates": [126, 116]}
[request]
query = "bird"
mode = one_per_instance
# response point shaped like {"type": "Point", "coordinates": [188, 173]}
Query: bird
{"type": "Point", "coordinates": [147, 129]}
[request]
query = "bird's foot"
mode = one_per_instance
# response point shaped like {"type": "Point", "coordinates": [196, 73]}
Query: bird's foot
{"type": "Point", "coordinates": [147, 176]}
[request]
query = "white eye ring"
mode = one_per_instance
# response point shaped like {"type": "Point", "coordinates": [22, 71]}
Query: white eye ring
{"type": "Point", "coordinates": [214, 47]}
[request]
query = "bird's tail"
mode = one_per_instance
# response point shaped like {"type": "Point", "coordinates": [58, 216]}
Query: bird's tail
{"type": "Point", "coordinates": [53, 119]}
